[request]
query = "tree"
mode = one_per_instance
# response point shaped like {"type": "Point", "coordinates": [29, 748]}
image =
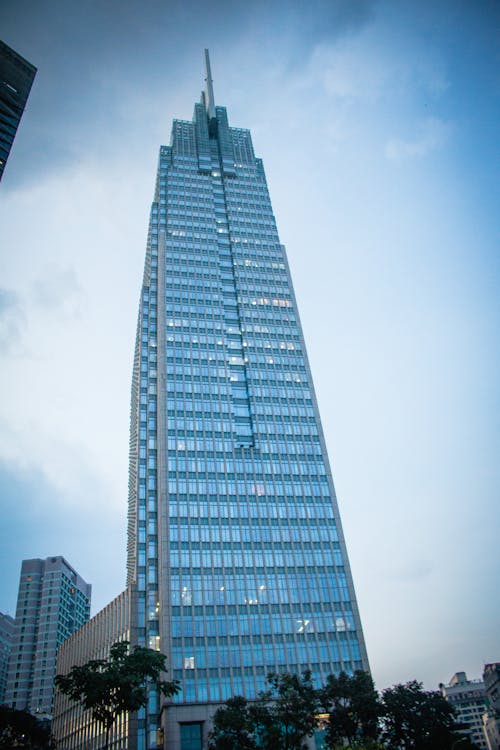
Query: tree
{"type": "Point", "coordinates": [21, 730]}
{"type": "Point", "coordinates": [353, 708]}
{"type": "Point", "coordinates": [414, 719]}
{"type": "Point", "coordinates": [281, 718]}
{"type": "Point", "coordinates": [232, 727]}
{"type": "Point", "coordinates": [286, 714]}
{"type": "Point", "coordinates": [108, 687]}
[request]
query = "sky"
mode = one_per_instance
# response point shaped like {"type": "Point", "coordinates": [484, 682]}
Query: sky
{"type": "Point", "coordinates": [377, 122]}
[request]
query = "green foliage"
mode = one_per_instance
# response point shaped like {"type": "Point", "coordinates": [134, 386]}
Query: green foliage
{"type": "Point", "coordinates": [286, 714]}
{"type": "Point", "coordinates": [281, 718]}
{"type": "Point", "coordinates": [21, 730]}
{"type": "Point", "coordinates": [354, 709]}
{"type": "Point", "coordinates": [414, 719]}
{"type": "Point", "coordinates": [232, 727]}
{"type": "Point", "coordinates": [108, 687]}
{"type": "Point", "coordinates": [348, 708]}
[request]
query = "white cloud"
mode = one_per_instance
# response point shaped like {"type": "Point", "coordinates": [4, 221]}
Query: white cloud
{"type": "Point", "coordinates": [372, 66]}
{"type": "Point", "coordinates": [12, 321]}
{"type": "Point", "coordinates": [348, 75]}
{"type": "Point", "coordinates": [58, 287]}
{"type": "Point", "coordinates": [67, 412]}
{"type": "Point", "coordinates": [351, 70]}
{"type": "Point", "coordinates": [433, 133]}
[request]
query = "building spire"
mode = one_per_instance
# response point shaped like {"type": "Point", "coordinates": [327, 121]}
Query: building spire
{"type": "Point", "coordinates": [209, 89]}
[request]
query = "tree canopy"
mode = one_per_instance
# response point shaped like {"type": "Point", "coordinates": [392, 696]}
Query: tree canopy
{"type": "Point", "coordinates": [285, 715]}
{"type": "Point", "coordinates": [414, 719]}
{"type": "Point", "coordinates": [281, 718]}
{"type": "Point", "coordinates": [353, 709]}
{"type": "Point", "coordinates": [108, 687]}
{"type": "Point", "coordinates": [232, 726]}
{"type": "Point", "coordinates": [349, 711]}
{"type": "Point", "coordinates": [21, 730]}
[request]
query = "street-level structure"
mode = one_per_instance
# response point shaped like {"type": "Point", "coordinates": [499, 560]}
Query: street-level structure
{"type": "Point", "coordinates": [73, 728]}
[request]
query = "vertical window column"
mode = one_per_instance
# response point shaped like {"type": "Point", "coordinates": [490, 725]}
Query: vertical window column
{"type": "Point", "coordinates": [243, 434]}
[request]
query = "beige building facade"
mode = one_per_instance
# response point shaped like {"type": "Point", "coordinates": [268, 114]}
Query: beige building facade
{"type": "Point", "coordinates": [72, 727]}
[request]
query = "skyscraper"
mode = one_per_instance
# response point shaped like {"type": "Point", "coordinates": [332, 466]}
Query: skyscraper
{"type": "Point", "coordinates": [237, 564]}
{"type": "Point", "coordinates": [234, 541]}
{"type": "Point", "coordinates": [16, 78]}
{"type": "Point", "coordinates": [53, 601]}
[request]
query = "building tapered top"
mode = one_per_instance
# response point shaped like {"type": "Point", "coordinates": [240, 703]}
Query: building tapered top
{"type": "Point", "coordinates": [209, 90]}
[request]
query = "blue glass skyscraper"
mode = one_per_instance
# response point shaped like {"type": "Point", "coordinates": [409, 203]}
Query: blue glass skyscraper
{"type": "Point", "coordinates": [235, 543]}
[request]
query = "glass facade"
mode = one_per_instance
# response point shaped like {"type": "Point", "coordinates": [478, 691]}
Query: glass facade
{"type": "Point", "coordinates": [235, 541]}
{"type": "Point", "coordinates": [7, 626]}
{"type": "Point", "coordinates": [53, 602]}
{"type": "Point", "coordinates": [16, 78]}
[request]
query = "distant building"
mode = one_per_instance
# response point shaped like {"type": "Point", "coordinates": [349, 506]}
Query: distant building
{"type": "Point", "coordinates": [468, 698]}
{"type": "Point", "coordinates": [6, 636]}
{"type": "Point", "coordinates": [53, 601]}
{"type": "Point", "coordinates": [491, 678]}
{"type": "Point", "coordinates": [16, 77]}
{"type": "Point", "coordinates": [72, 727]}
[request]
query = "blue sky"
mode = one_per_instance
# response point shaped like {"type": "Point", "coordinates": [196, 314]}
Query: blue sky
{"type": "Point", "coordinates": [378, 126]}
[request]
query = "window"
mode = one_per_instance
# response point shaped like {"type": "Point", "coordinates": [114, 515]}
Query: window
{"type": "Point", "coordinates": [191, 735]}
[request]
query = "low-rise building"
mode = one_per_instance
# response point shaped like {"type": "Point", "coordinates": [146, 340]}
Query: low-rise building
{"type": "Point", "coordinates": [72, 727]}
{"type": "Point", "coordinates": [468, 698]}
